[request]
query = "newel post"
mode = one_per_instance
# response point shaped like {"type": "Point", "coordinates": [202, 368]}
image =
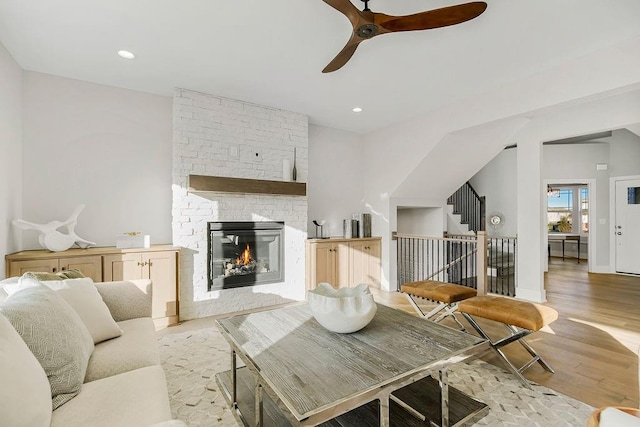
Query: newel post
{"type": "Point", "coordinates": [482, 263]}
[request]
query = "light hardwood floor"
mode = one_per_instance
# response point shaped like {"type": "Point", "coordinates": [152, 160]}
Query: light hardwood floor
{"type": "Point", "coordinates": [594, 343]}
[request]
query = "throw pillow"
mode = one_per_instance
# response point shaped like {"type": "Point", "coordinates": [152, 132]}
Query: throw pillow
{"type": "Point", "coordinates": [73, 273]}
{"type": "Point", "coordinates": [56, 336]}
{"type": "Point", "coordinates": [83, 297]}
{"type": "Point", "coordinates": [24, 383]}
{"type": "Point", "coordinates": [5, 285]}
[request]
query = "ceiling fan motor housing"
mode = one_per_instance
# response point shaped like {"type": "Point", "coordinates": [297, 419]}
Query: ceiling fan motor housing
{"type": "Point", "coordinates": [367, 31]}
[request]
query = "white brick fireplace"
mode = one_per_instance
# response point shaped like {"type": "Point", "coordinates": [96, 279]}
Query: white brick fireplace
{"type": "Point", "coordinates": [224, 137]}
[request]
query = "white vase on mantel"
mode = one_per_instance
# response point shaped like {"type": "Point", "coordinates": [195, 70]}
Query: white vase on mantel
{"type": "Point", "coordinates": [286, 170]}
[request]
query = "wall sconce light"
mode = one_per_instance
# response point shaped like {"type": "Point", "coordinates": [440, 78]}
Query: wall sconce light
{"type": "Point", "coordinates": [551, 192]}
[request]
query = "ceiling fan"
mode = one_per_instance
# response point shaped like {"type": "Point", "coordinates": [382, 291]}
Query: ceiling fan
{"type": "Point", "coordinates": [367, 24]}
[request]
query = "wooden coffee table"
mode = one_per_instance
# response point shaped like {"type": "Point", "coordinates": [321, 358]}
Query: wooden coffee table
{"type": "Point", "coordinates": [298, 373]}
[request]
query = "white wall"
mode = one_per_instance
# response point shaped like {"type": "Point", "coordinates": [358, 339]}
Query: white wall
{"type": "Point", "coordinates": [497, 182]}
{"type": "Point", "coordinates": [10, 153]}
{"type": "Point", "coordinates": [104, 147]}
{"type": "Point", "coordinates": [624, 153]}
{"type": "Point", "coordinates": [421, 221]}
{"type": "Point", "coordinates": [335, 178]}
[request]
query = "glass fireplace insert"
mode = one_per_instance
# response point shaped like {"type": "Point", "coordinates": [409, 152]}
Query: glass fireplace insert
{"type": "Point", "coordinates": [245, 253]}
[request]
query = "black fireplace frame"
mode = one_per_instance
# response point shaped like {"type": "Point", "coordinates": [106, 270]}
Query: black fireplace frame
{"type": "Point", "coordinates": [251, 279]}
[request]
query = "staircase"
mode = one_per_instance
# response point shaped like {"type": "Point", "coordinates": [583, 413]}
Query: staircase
{"type": "Point", "coordinates": [467, 217]}
{"type": "Point", "coordinates": [471, 208]}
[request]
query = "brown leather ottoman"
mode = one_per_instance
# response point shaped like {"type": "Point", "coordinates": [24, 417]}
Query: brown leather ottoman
{"type": "Point", "coordinates": [521, 319]}
{"type": "Point", "coordinates": [446, 294]}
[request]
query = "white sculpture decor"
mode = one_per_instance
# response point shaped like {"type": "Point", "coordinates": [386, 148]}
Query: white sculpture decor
{"type": "Point", "coordinates": [343, 310]}
{"type": "Point", "coordinates": [57, 236]}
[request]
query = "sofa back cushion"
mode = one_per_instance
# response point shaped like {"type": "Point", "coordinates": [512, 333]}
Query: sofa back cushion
{"type": "Point", "coordinates": [56, 336]}
{"type": "Point", "coordinates": [127, 299]}
{"type": "Point", "coordinates": [25, 394]}
{"type": "Point", "coordinates": [83, 297]}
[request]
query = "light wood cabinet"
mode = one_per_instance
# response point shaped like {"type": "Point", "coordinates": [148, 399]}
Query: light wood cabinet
{"type": "Point", "coordinates": [105, 264]}
{"type": "Point", "coordinates": [365, 262]}
{"type": "Point", "coordinates": [90, 266]}
{"type": "Point", "coordinates": [343, 262]}
{"type": "Point", "coordinates": [331, 263]}
{"type": "Point", "coordinates": [160, 267]}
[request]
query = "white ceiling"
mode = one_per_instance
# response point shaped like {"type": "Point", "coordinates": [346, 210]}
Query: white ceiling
{"type": "Point", "coordinates": [272, 52]}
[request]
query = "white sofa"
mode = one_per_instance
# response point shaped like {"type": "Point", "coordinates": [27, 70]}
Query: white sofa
{"type": "Point", "coordinates": [124, 384]}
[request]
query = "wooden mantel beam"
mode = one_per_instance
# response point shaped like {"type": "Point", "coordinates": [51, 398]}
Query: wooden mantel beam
{"type": "Point", "coordinates": [244, 185]}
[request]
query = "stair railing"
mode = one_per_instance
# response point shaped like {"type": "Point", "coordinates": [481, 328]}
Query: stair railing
{"type": "Point", "coordinates": [458, 259]}
{"type": "Point", "coordinates": [470, 206]}
{"type": "Point", "coordinates": [445, 259]}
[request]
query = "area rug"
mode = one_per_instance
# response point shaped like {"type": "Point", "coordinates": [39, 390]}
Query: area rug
{"type": "Point", "coordinates": [191, 360]}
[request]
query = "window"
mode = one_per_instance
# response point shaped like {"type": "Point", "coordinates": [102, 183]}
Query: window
{"type": "Point", "coordinates": [584, 210]}
{"type": "Point", "coordinates": [633, 195]}
{"type": "Point", "coordinates": [568, 209]}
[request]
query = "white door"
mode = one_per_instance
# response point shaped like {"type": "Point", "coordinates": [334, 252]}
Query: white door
{"type": "Point", "coordinates": [627, 226]}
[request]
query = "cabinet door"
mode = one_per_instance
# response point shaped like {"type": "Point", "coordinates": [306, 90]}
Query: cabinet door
{"type": "Point", "coordinates": [90, 266]}
{"type": "Point", "coordinates": [161, 268]}
{"type": "Point", "coordinates": [122, 267]}
{"type": "Point", "coordinates": [374, 266]}
{"type": "Point", "coordinates": [365, 262]}
{"type": "Point", "coordinates": [325, 268]}
{"type": "Point", "coordinates": [359, 263]}
{"type": "Point", "coordinates": [18, 268]}
{"type": "Point", "coordinates": [342, 268]}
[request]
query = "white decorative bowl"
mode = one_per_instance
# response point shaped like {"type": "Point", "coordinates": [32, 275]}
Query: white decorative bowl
{"type": "Point", "coordinates": [343, 310]}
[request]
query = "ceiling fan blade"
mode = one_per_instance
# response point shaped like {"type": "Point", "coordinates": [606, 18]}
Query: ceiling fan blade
{"type": "Point", "coordinates": [345, 54]}
{"type": "Point", "coordinates": [347, 9]}
{"type": "Point", "coordinates": [431, 19]}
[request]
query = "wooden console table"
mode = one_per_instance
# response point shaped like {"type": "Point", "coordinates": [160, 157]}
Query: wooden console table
{"type": "Point", "coordinates": [563, 237]}
{"type": "Point", "coordinates": [299, 373]}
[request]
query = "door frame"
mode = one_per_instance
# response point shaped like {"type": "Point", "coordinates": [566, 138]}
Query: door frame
{"type": "Point", "coordinates": [612, 219]}
{"type": "Point", "coordinates": [591, 237]}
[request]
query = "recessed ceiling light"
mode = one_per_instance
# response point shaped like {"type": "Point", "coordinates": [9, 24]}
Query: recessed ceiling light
{"type": "Point", "coordinates": [356, 109]}
{"type": "Point", "coordinates": [126, 54]}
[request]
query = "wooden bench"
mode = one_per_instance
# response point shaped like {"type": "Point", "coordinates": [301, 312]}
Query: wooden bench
{"type": "Point", "coordinates": [447, 295]}
{"type": "Point", "coordinates": [521, 319]}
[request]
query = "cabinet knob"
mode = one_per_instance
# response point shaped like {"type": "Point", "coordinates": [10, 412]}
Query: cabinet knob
{"type": "Point", "coordinates": [140, 264]}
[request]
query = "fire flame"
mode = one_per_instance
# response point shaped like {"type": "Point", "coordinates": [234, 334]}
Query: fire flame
{"type": "Point", "coordinates": [245, 256]}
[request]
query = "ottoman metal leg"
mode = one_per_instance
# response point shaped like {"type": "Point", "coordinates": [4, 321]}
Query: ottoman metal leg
{"type": "Point", "coordinates": [516, 335]}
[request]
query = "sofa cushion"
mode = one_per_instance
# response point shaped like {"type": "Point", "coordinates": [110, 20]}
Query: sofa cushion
{"type": "Point", "coordinates": [135, 398]}
{"type": "Point", "coordinates": [23, 383]}
{"type": "Point", "coordinates": [82, 295]}
{"type": "Point", "coordinates": [137, 347]}
{"type": "Point", "coordinates": [127, 299]}
{"type": "Point", "coordinates": [56, 336]}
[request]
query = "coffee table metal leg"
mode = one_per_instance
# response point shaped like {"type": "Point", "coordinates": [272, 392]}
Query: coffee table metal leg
{"type": "Point", "coordinates": [384, 411]}
{"type": "Point", "coordinates": [259, 406]}
{"type": "Point", "coordinates": [234, 387]}
{"type": "Point", "coordinates": [444, 396]}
